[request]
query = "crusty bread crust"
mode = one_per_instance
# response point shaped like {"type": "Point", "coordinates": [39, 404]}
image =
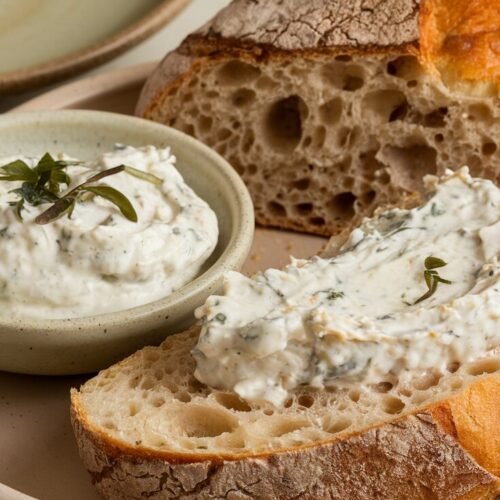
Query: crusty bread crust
{"type": "Point", "coordinates": [330, 109]}
{"type": "Point", "coordinates": [450, 450]}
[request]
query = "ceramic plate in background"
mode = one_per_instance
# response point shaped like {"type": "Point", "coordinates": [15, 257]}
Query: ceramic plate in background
{"type": "Point", "coordinates": [45, 40]}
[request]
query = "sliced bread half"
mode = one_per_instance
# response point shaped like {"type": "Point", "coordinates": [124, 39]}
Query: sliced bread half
{"type": "Point", "coordinates": [146, 428]}
{"type": "Point", "coordinates": [329, 108]}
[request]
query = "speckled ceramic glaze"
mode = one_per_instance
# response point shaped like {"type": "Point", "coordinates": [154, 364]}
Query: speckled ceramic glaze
{"type": "Point", "coordinates": [56, 347]}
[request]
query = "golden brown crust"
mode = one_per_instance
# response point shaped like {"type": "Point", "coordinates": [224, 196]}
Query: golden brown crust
{"type": "Point", "coordinates": [461, 39]}
{"type": "Point", "coordinates": [426, 454]}
{"type": "Point", "coordinates": [458, 39]}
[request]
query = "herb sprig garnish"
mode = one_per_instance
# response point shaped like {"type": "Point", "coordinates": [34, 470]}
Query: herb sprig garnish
{"type": "Point", "coordinates": [432, 278]}
{"type": "Point", "coordinates": [43, 184]}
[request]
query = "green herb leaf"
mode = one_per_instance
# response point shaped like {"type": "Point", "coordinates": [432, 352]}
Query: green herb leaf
{"type": "Point", "coordinates": [115, 197]}
{"type": "Point", "coordinates": [19, 207]}
{"type": "Point", "coordinates": [145, 176]}
{"type": "Point", "coordinates": [58, 209]}
{"type": "Point", "coordinates": [434, 263]}
{"type": "Point", "coordinates": [42, 184]}
{"type": "Point", "coordinates": [17, 171]}
{"type": "Point", "coordinates": [432, 278]}
{"type": "Point", "coordinates": [332, 295]}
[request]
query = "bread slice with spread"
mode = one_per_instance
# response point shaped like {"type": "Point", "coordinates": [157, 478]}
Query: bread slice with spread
{"type": "Point", "coordinates": [371, 374]}
{"type": "Point", "coordinates": [329, 109]}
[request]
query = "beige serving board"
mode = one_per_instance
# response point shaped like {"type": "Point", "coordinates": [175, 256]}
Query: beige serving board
{"type": "Point", "coordinates": [38, 453]}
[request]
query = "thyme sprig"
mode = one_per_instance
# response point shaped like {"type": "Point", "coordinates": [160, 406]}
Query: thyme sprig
{"type": "Point", "coordinates": [432, 278]}
{"type": "Point", "coordinates": [44, 183]}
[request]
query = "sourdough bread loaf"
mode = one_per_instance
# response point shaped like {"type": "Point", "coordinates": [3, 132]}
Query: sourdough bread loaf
{"type": "Point", "coordinates": [146, 428]}
{"type": "Point", "coordinates": [329, 109]}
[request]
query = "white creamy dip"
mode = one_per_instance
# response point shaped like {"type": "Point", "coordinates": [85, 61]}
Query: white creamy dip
{"type": "Point", "coordinates": [98, 261]}
{"type": "Point", "coordinates": [354, 317]}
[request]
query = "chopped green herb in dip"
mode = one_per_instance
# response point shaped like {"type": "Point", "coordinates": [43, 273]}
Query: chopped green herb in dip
{"type": "Point", "coordinates": [375, 308]}
{"type": "Point", "coordinates": [106, 256]}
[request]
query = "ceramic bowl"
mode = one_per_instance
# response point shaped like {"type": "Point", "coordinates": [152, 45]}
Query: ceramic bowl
{"type": "Point", "coordinates": [57, 347]}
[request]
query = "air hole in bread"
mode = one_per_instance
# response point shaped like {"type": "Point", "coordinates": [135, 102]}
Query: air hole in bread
{"type": "Point", "coordinates": [399, 113]}
{"type": "Point", "coordinates": [340, 76]}
{"type": "Point", "coordinates": [110, 425]}
{"type": "Point", "coordinates": [439, 138]}
{"type": "Point", "coordinates": [341, 206]}
{"type": "Point", "coordinates": [347, 137]}
{"type": "Point", "coordinates": [302, 184]}
{"type": "Point", "coordinates": [317, 221]}
{"type": "Point", "coordinates": [187, 97]}
{"type": "Point", "coordinates": [489, 148]}
{"type": "Point", "coordinates": [348, 182]}
{"type": "Point", "coordinates": [201, 421]}
{"type": "Point", "coordinates": [133, 409]}
{"type": "Point", "coordinates": [436, 119]}
{"type": "Point", "coordinates": [453, 367]}
{"type": "Point", "coordinates": [148, 383]}
{"type": "Point", "coordinates": [252, 169]}
{"type": "Point", "coordinates": [248, 141]}
{"type": "Point", "coordinates": [304, 208]}
{"type": "Point", "coordinates": [319, 136]}
{"type": "Point", "coordinates": [183, 397]}
{"type": "Point", "coordinates": [426, 380]}
{"type": "Point", "coordinates": [382, 387]}
{"type": "Point", "coordinates": [134, 382]}
{"type": "Point", "coordinates": [276, 209]}
{"type": "Point", "coordinates": [231, 401]}
{"type": "Point", "coordinates": [237, 73]}
{"type": "Point", "coordinates": [383, 177]}
{"type": "Point", "coordinates": [482, 366]}
{"type": "Point", "coordinates": [268, 412]}
{"type": "Point", "coordinates": [223, 134]}
{"type": "Point", "coordinates": [158, 402]}
{"type": "Point", "coordinates": [331, 112]}
{"type": "Point", "coordinates": [288, 403]}
{"type": "Point", "coordinates": [284, 123]}
{"type": "Point", "coordinates": [343, 58]}
{"type": "Point", "coordinates": [305, 400]}
{"type": "Point", "coordinates": [392, 405]}
{"type": "Point", "coordinates": [334, 426]}
{"type": "Point", "coordinates": [158, 374]}
{"type": "Point", "coordinates": [405, 391]}
{"type": "Point", "coordinates": [405, 67]}
{"type": "Point", "coordinates": [354, 395]}
{"type": "Point", "coordinates": [368, 197]}
{"type": "Point", "coordinates": [352, 83]}
{"type": "Point", "coordinates": [278, 426]}
{"type": "Point", "coordinates": [266, 83]}
{"type": "Point", "coordinates": [480, 112]}
{"type": "Point", "coordinates": [386, 105]}
{"type": "Point", "coordinates": [243, 97]}
{"type": "Point", "coordinates": [205, 124]}
{"type": "Point", "coordinates": [409, 165]}
{"type": "Point", "coordinates": [151, 356]}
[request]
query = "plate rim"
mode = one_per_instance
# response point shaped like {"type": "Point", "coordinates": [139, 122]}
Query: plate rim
{"type": "Point", "coordinates": [94, 54]}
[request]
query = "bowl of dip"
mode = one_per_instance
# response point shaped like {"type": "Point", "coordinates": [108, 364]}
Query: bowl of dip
{"type": "Point", "coordinates": [111, 240]}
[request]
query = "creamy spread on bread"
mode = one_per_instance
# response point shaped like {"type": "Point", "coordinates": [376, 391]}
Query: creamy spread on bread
{"type": "Point", "coordinates": [370, 310]}
{"type": "Point", "coordinates": [97, 261]}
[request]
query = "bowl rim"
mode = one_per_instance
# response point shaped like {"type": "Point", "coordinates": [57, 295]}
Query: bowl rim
{"type": "Point", "coordinates": [92, 55]}
{"type": "Point", "coordinates": [241, 235]}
